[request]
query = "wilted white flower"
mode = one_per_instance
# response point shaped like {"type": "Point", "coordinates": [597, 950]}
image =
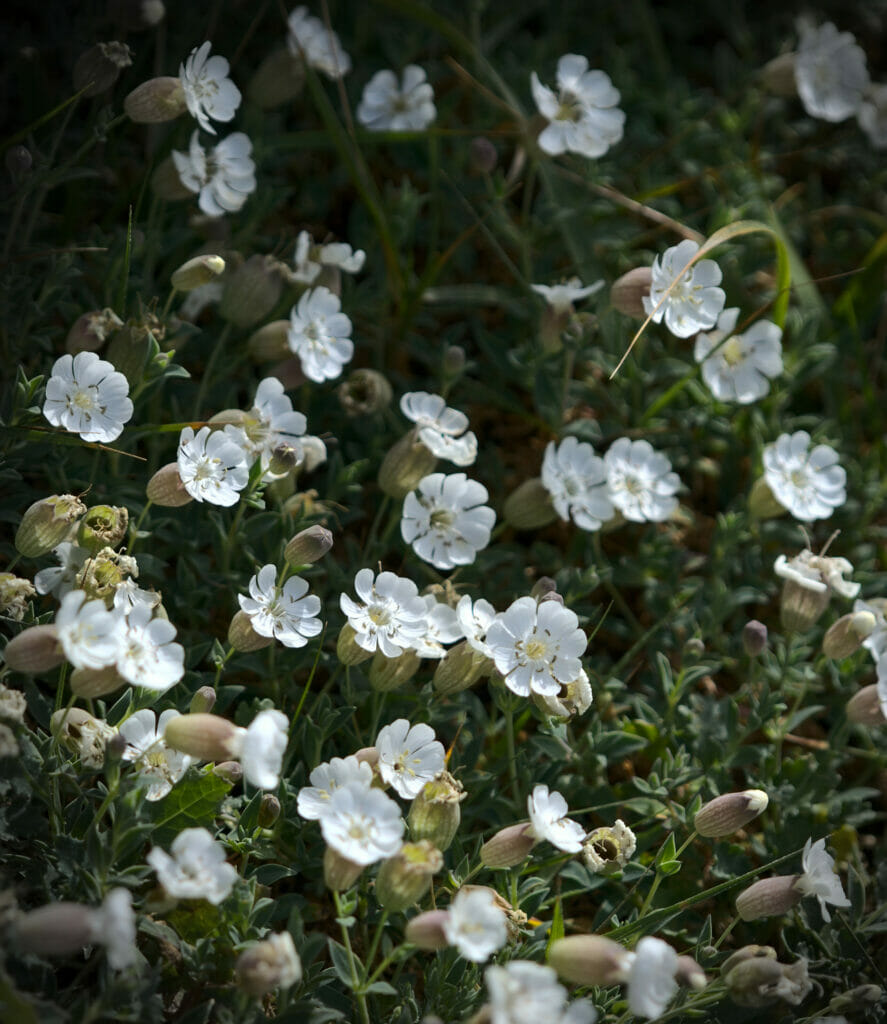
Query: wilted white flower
{"type": "Point", "coordinates": [548, 816]}
{"type": "Point", "coordinates": [695, 301]}
{"type": "Point", "coordinates": [223, 178]}
{"type": "Point", "coordinates": [819, 878]}
{"type": "Point", "coordinates": [562, 296]}
{"type": "Point", "coordinates": [830, 72]}
{"type": "Point", "coordinates": [362, 825]}
{"type": "Point", "coordinates": [89, 634]}
{"type": "Point", "coordinates": [320, 335]}
{"type": "Point", "coordinates": [61, 579]}
{"type": "Point", "coordinates": [209, 92]}
{"type": "Point", "coordinates": [443, 431]}
{"type": "Point", "coordinates": [576, 479]}
{"type": "Point", "coordinates": [523, 992]}
{"type": "Point", "coordinates": [574, 699]}
{"type": "Point", "coordinates": [87, 396]}
{"type": "Point", "coordinates": [818, 572]}
{"type": "Point", "coordinates": [325, 779]}
{"type": "Point", "coordinates": [392, 615]}
{"type": "Point", "coordinates": [213, 465]}
{"type": "Point", "coordinates": [810, 484]}
{"type": "Point", "coordinates": [197, 868]}
{"type": "Point", "coordinates": [441, 627]}
{"type": "Point", "coordinates": [387, 107]}
{"type": "Point", "coordinates": [13, 705]}
{"type": "Point", "coordinates": [446, 521]}
{"type": "Point", "coordinates": [310, 259]}
{"type": "Point", "coordinates": [318, 46]}
{"type": "Point", "coordinates": [261, 747]}
{"type": "Point", "coordinates": [146, 655]}
{"type": "Point", "coordinates": [151, 757]}
{"type": "Point", "coordinates": [536, 647]}
{"type": "Point", "coordinates": [609, 847]}
{"type": "Point", "coordinates": [872, 115]}
{"type": "Point", "coordinates": [475, 925]}
{"type": "Point", "coordinates": [640, 481]}
{"type": "Point", "coordinates": [475, 619]}
{"type": "Point", "coordinates": [742, 367]}
{"type": "Point", "coordinates": [651, 977]}
{"type": "Point", "coordinates": [409, 756]}
{"type": "Point", "coordinates": [285, 613]}
{"type": "Point", "coordinates": [583, 116]}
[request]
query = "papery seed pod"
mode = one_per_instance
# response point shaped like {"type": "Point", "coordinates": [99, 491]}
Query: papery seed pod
{"type": "Point", "coordinates": [270, 964]}
{"type": "Point", "coordinates": [103, 526]}
{"type": "Point", "coordinates": [206, 737]}
{"type": "Point", "coordinates": [529, 506]}
{"type": "Point", "coordinates": [348, 651]}
{"type": "Point", "coordinates": [154, 101]}
{"type": "Point", "coordinates": [508, 847]}
{"type": "Point", "coordinates": [435, 814]}
{"type": "Point", "coordinates": [101, 576]}
{"type": "Point", "coordinates": [778, 75]}
{"type": "Point", "coordinates": [460, 668]}
{"type": "Point", "coordinates": [865, 708]}
{"type": "Point", "coordinates": [404, 465]}
{"type": "Point", "coordinates": [165, 488]}
{"type": "Point", "coordinates": [627, 293]}
{"type": "Point", "coordinates": [35, 650]}
{"type": "Point", "coordinates": [339, 873]}
{"type": "Point", "coordinates": [99, 67]}
{"type": "Point", "coordinates": [57, 929]}
{"type": "Point", "coordinates": [845, 636]}
{"type": "Point", "coordinates": [754, 638]}
{"type": "Point", "coordinates": [270, 342]}
{"type": "Point", "coordinates": [761, 981]}
{"type": "Point", "coordinates": [768, 898]}
{"type": "Point", "coordinates": [405, 878]}
{"type": "Point", "coordinates": [761, 502]}
{"type": "Point", "coordinates": [388, 674]}
{"type": "Point", "coordinates": [427, 930]}
{"type": "Point", "coordinates": [250, 291]}
{"type": "Point", "coordinates": [47, 523]}
{"type": "Point", "coordinates": [364, 393]}
{"type": "Point", "coordinates": [308, 546]}
{"type": "Point", "coordinates": [196, 272]}
{"type": "Point", "coordinates": [728, 813]}
{"type": "Point", "coordinates": [90, 683]}
{"type": "Point", "coordinates": [801, 606]}
{"type": "Point", "coordinates": [15, 593]}
{"type": "Point", "coordinates": [91, 330]}
{"type": "Point", "coordinates": [285, 458]}
{"type": "Point", "coordinates": [242, 636]}
{"type": "Point", "coordinates": [83, 734]}
{"type": "Point", "coordinates": [746, 953]}
{"type": "Point", "coordinates": [552, 324]}
{"type": "Point", "coordinates": [278, 80]}
{"type": "Point", "coordinates": [589, 960]}
{"type": "Point", "coordinates": [203, 701]}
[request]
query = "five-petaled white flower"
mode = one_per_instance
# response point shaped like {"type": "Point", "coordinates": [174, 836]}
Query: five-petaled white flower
{"type": "Point", "coordinates": [576, 479]}
{"type": "Point", "coordinates": [830, 72]}
{"type": "Point", "coordinates": [819, 878]}
{"type": "Point", "coordinates": [475, 619]}
{"type": "Point", "coordinates": [695, 301]}
{"type": "Point", "coordinates": [325, 779]}
{"type": "Point", "coordinates": [88, 633]}
{"type": "Point", "coordinates": [261, 747]}
{"type": "Point", "coordinates": [536, 647]}
{"type": "Point", "coordinates": [197, 868]}
{"type": "Point", "coordinates": [409, 756]}
{"type": "Point", "coordinates": [146, 654]}
{"type": "Point", "coordinates": [87, 396]}
{"type": "Point", "coordinates": [818, 572]}
{"type": "Point", "coordinates": [446, 521]}
{"type": "Point", "coordinates": [442, 627]}
{"type": "Point", "coordinates": [223, 177]}
{"type": "Point", "coordinates": [583, 116]}
{"type": "Point", "coordinates": [318, 46]}
{"type": "Point", "coordinates": [387, 107]}
{"type": "Point", "coordinates": [651, 977]}
{"type": "Point", "coordinates": [523, 992]}
{"type": "Point", "coordinates": [209, 92]}
{"type": "Point", "coordinates": [475, 925]}
{"type": "Point", "coordinates": [739, 369]}
{"type": "Point", "coordinates": [62, 579]}
{"type": "Point", "coordinates": [391, 617]}
{"type": "Point", "coordinates": [320, 335]}
{"type": "Point", "coordinates": [213, 465]}
{"type": "Point", "coordinates": [285, 613]}
{"type": "Point", "coordinates": [443, 431]}
{"type": "Point", "coordinates": [548, 816]}
{"type": "Point", "coordinates": [640, 481]}
{"type": "Point", "coordinates": [362, 825]}
{"type": "Point", "coordinates": [810, 484]}
{"type": "Point", "coordinates": [560, 297]}
{"type": "Point", "coordinates": [272, 422]}
{"type": "Point", "coordinates": [310, 259]}
{"type": "Point", "coordinates": [150, 755]}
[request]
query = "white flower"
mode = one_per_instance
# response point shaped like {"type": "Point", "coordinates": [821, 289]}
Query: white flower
{"type": "Point", "coordinates": [651, 977]}
{"type": "Point", "coordinates": [272, 422]}
{"type": "Point", "coordinates": [114, 926]}
{"type": "Point", "coordinates": [146, 656]}
{"type": "Point", "coordinates": [810, 484]}
{"type": "Point", "coordinates": [475, 619]}
{"type": "Point", "coordinates": [320, 335]}
{"type": "Point", "coordinates": [87, 396]}
{"type": "Point", "coordinates": [310, 259]}
{"type": "Point", "coordinates": [574, 699]}
{"type": "Point", "coordinates": [392, 615]}
{"type": "Point", "coordinates": [129, 595]}
{"type": "Point", "coordinates": [608, 847]}
{"type": "Point", "coordinates": [562, 296]}
{"type": "Point", "coordinates": [213, 465]}
{"type": "Point", "coordinates": [872, 115]}
{"type": "Point", "coordinates": [197, 868]}
{"type": "Point", "coordinates": [536, 647]}
{"type": "Point", "coordinates": [284, 613]}
{"type": "Point", "coordinates": [441, 429]}
{"type": "Point", "coordinates": [261, 747]}
{"type": "Point", "coordinates": [88, 633]}
{"type": "Point", "coordinates": [583, 117]}
{"type": "Point", "coordinates": [830, 72]}
{"type": "Point", "coordinates": [362, 825]}
{"type": "Point", "coordinates": [223, 177]}
{"type": "Point", "coordinates": [475, 925]}
{"type": "Point", "coordinates": [881, 669]}
{"type": "Point", "coordinates": [576, 479]}
{"type": "Point", "coordinates": [325, 779]}
{"type": "Point", "coordinates": [742, 367]}
{"type": "Point", "coordinates": [446, 521]}
{"type": "Point", "coordinates": [695, 301]}
{"type": "Point", "coordinates": [876, 642]}
{"type": "Point", "coordinates": [442, 626]}
{"type": "Point", "coordinates": [60, 580]}
{"type": "Point", "coordinates": [209, 93]}
{"type": "Point", "coordinates": [409, 756]}
{"type": "Point", "coordinates": [818, 572]}
{"type": "Point", "coordinates": [640, 482]}
{"type": "Point", "coordinates": [152, 758]}
{"type": "Point", "coordinates": [548, 816]}
{"type": "Point", "coordinates": [819, 878]}
{"type": "Point", "coordinates": [386, 107]}
{"type": "Point", "coordinates": [310, 39]}
{"type": "Point", "coordinates": [523, 992]}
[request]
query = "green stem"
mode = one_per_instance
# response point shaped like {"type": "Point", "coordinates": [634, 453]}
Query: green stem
{"type": "Point", "coordinates": [395, 953]}
{"type": "Point", "coordinates": [374, 945]}
{"type": "Point", "coordinates": [356, 985]}
{"type": "Point", "coordinates": [134, 530]}
{"type": "Point", "coordinates": [512, 756]}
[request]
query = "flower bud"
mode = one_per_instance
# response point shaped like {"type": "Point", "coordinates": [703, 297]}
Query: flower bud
{"type": "Point", "coordinates": [589, 960]}
{"type": "Point", "coordinates": [460, 668]}
{"type": "Point", "coordinates": [96, 682]}
{"type": "Point", "coordinates": [270, 964]}
{"type": "Point", "coordinates": [206, 737]}
{"type": "Point", "coordinates": [760, 981]}
{"type": "Point", "coordinates": [427, 930]}
{"type": "Point", "coordinates": [689, 973]}
{"type": "Point", "coordinates": [391, 673]}
{"type": "Point", "coordinates": [483, 155]}
{"type": "Point", "coordinates": [627, 293]}
{"type": "Point", "coordinates": [801, 606]}
{"type": "Point", "coordinates": [529, 507]}
{"type": "Point", "coordinates": [509, 847]}
{"type": "Point", "coordinates": [368, 755]}
{"type": "Point", "coordinates": [19, 163]}
{"type": "Point", "coordinates": [746, 953]}
{"type": "Point", "coordinates": [405, 464]}
{"type": "Point", "coordinates": [754, 638]}
{"type": "Point", "coordinates": [863, 708]}
{"type": "Point", "coordinates": [845, 636]}
{"type": "Point", "coordinates": [165, 488]}
{"type": "Point", "coordinates": [364, 393]}
{"type": "Point", "coordinates": [768, 898]}
{"type": "Point", "coordinates": [859, 998]}
{"type": "Point", "coordinates": [778, 75]}
{"type": "Point", "coordinates": [47, 523]}
{"type": "Point", "coordinates": [34, 650]}
{"type": "Point", "coordinates": [405, 878]}
{"type": "Point", "coordinates": [250, 292]}
{"type": "Point", "coordinates": [230, 771]}
{"type": "Point", "coordinates": [339, 873]}
{"type": "Point", "coordinates": [285, 458]}
{"type": "Point", "coordinates": [270, 342]}
{"type": "Point", "coordinates": [15, 593]}
{"type": "Point", "coordinates": [103, 526]}
{"type": "Point", "coordinates": [348, 651]}
{"type": "Point", "coordinates": [279, 80]}
{"type": "Point", "coordinates": [269, 810]}
{"type": "Point", "coordinates": [57, 929]}
{"type": "Point", "coordinates": [135, 15]}
{"type": "Point", "coordinates": [607, 850]}
{"type": "Point", "coordinates": [242, 636]}
{"type": "Point", "coordinates": [99, 67]}
{"type": "Point", "coordinates": [761, 502]}
{"type": "Point", "coordinates": [308, 546]}
{"type": "Point", "coordinates": [91, 330]}
{"type": "Point", "coordinates": [203, 701]}
{"type": "Point", "coordinates": [435, 814]}
{"type": "Point", "coordinates": [196, 272]}
{"type": "Point", "coordinates": [728, 813]}
{"type": "Point", "coordinates": [159, 99]}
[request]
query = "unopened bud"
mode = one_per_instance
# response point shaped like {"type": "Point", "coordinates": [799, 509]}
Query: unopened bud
{"type": "Point", "coordinates": [509, 847]}
{"type": "Point", "coordinates": [250, 292]}
{"type": "Point", "coordinates": [270, 964]}
{"type": "Point", "coordinates": [47, 523]}
{"type": "Point", "coordinates": [57, 929]}
{"type": "Point", "coordinates": [230, 771]}
{"type": "Point", "coordinates": [165, 488]}
{"type": "Point", "coordinates": [435, 814]}
{"type": "Point", "coordinates": [160, 99]}
{"type": "Point", "coordinates": [589, 960]}
{"type": "Point", "coordinates": [103, 526]}
{"type": "Point", "coordinates": [608, 849]}
{"type": "Point", "coordinates": [754, 638]}
{"type": "Point", "coordinates": [728, 813]}
{"type": "Point", "coordinates": [34, 650]}
{"type": "Point", "coordinates": [364, 393]}
{"type": "Point", "coordinates": [203, 701]}
{"type": "Point", "coordinates": [270, 342]}
{"type": "Point", "coordinates": [454, 361]}
{"type": "Point", "coordinates": [285, 458]}
{"type": "Point", "coordinates": [196, 272]}
{"type": "Point", "coordinates": [460, 668]}
{"type": "Point", "coordinates": [860, 998]}
{"type": "Point", "coordinates": [689, 973]}
{"type": "Point", "coordinates": [545, 586]}
{"type": "Point", "coordinates": [427, 930]}
{"type": "Point", "coordinates": [628, 292]}
{"type": "Point", "coordinates": [136, 15]}
{"type": "Point", "coordinates": [206, 737]}
{"type": "Point", "coordinates": [405, 464]}
{"type": "Point", "coordinates": [90, 683]}
{"type": "Point", "coordinates": [269, 810]}
{"type": "Point", "coordinates": [279, 80]}
{"type": "Point", "coordinates": [778, 75]}
{"type": "Point", "coordinates": [391, 673]}
{"type": "Point", "coordinates": [339, 873]}
{"type": "Point", "coordinates": [845, 636]}
{"type": "Point", "coordinates": [242, 636]}
{"type": "Point", "coordinates": [529, 507]}
{"type": "Point", "coordinates": [405, 878]}
{"type": "Point", "coordinates": [761, 502]}
{"type": "Point", "coordinates": [91, 330]}
{"type": "Point", "coordinates": [483, 154]}
{"type": "Point", "coordinates": [348, 650]}
{"type": "Point", "coordinates": [308, 546]}
{"type": "Point", "coordinates": [368, 755]}
{"type": "Point", "coordinates": [768, 898]}
{"type": "Point", "coordinates": [863, 708]}
{"type": "Point", "coordinates": [99, 67]}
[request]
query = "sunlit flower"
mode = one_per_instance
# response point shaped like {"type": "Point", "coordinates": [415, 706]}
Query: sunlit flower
{"type": "Point", "coordinates": [150, 756]}
{"type": "Point", "coordinates": [742, 367]}
{"type": "Point", "coordinates": [285, 613]}
{"type": "Point", "coordinates": [387, 107]}
{"type": "Point", "coordinates": [261, 747]}
{"type": "Point", "coordinates": [872, 115]}
{"type": "Point", "coordinates": [651, 977]}
{"type": "Point", "coordinates": [810, 484]}
{"type": "Point", "coordinates": [391, 616]}
{"type": "Point", "coordinates": [442, 627]}
{"type": "Point", "coordinates": [318, 46]}
{"type": "Point", "coordinates": [409, 756]}
{"type": "Point", "coordinates": [213, 465]}
{"type": "Point", "coordinates": [129, 595]}
{"type": "Point", "coordinates": [87, 396]}
{"type": "Point", "coordinates": [223, 177]}
{"type": "Point", "coordinates": [146, 654]}
{"type": "Point", "coordinates": [583, 116]}
{"type": "Point", "coordinates": [325, 779]}
{"type": "Point", "coordinates": [830, 72]}
{"type": "Point", "coordinates": [548, 816]}
{"type": "Point", "coordinates": [523, 992]}
{"type": "Point", "coordinates": [640, 481]}
{"type": "Point", "coordinates": [562, 296]}
{"type": "Point", "coordinates": [443, 431]}
{"type": "Point", "coordinates": [475, 925]}
{"type": "Point", "coordinates": [89, 634]}
{"type": "Point", "coordinates": [576, 479]}
{"type": "Point", "coordinates": [272, 422]}
{"type": "Point", "coordinates": [475, 619]}
{"type": "Point", "coordinates": [819, 878]}
{"type": "Point", "coordinates": [362, 825]}
{"type": "Point", "coordinates": [446, 521]}
{"type": "Point", "coordinates": [695, 301]}
{"type": "Point", "coordinates": [320, 335]}
{"type": "Point", "coordinates": [209, 92]}
{"type": "Point", "coordinates": [197, 868]}
{"type": "Point", "coordinates": [61, 579]}
{"type": "Point", "coordinates": [310, 259]}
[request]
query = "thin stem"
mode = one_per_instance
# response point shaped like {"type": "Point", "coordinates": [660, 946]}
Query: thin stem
{"type": "Point", "coordinates": [512, 756]}
{"type": "Point", "coordinates": [134, 530]}
{"type": "Point", "coordinates": [352, 964]}
{"type": "Point", "coordinates": [374, 945]}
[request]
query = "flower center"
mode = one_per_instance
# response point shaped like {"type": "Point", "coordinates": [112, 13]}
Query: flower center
{"type": "Point", "coordinates": [83, 399]}
{"type": "Point", "coordinates": [570, 108]}
{"type": "Point", "coordinates": [379, 615]}
{"type": "Point", "coordinates": [535, 649]}
{"type": "Point", "coordinates": [799, 479]}
{"type": "Point", "coordinates": [442, 519]}
{"type": "Point", "coordinates": [732, 352]}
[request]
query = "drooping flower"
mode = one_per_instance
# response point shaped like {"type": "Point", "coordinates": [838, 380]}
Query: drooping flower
{"type": "Point", "coordinates": [223, 178]}
{"type": "Point", "coordinates": [475, 619]}
{"type": "Point", "coordinates": [61, 579]}
{"type": "Point", "coordinates": [87, 396]}
{"type": "Point", "coordinates": [651, 977]}
{"type": "Point", "coordinates": [89, 634]}
{"type": "Point", "coordinates": [560, 297]}
{"type": "Point", "coordinates": [640, 481]}
{"type": "Point", "coordinates": [209, 92]}
{"type": "Point", "coordinates": [695, 301]}
{"type": "Point", "coordinates": [362, 825]}
{"type": "Point", "coordinates": [576, 479]}
{"type": "Point", "coordinates": [150, 756]}
{"type": "Point", "coordinates": [810, 484]}
{"type": "Point", "coordinates": [261, 747]}
{"type": "Point", "coordinates": [830, 72]}
{"type": "Point", "coordinates": [386, 106]}
{"type": "Point", "coordinates": [325, 779]}
{"type": "Point", "coordinates": [583, 116]}
{"type": "Point", "coordinates": [523, 992]}
{"type": "Point", "coordinates": [443, 431]}
{"type": "Point", "coordinates": [742, 367]}
{"type": "Point", "coordinates": [409, 756]}
{"type": "Point", "coordinates": [310, 259]}
{"type": "Point", "coordinates": [213, 465]}
{"type": "Point", "coordinates": [446, 520]}
{"type": "Point", "coordinates": [391, 616]}
{"type": "Point", "coordinates": [146, 654]}
{"type": "Point", "coordinates": [819, 878]}
{"type": "Point", "coordinates": [548, 816]}
{"type": "Point", "coordinates": [475, 925]}
{"type": "Point", "coordinates": [320, 335]}
{"type": "Point", "coordinates": [318, 46]}
{"type": "Point", "coordinates": [197, 868]}
{"type": "Point", "coordinates": [285, 613]}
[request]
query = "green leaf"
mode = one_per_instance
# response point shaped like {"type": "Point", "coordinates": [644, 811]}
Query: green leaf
{"type": "Point", "coordinates": [341, 962]}
{"type": "Point", "coordinates": [192, 803]}
{"type": "Point", "coordinates": [667, 853]}
{"type": "Point", "coordinates": [557, 926]}
{"type": "Point", "coordinates": [381, 988]}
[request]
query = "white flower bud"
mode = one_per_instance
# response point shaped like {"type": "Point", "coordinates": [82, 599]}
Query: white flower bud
{"type": "Point", "coordinates": [589, 960]}
{"type": "Point", "coordinates": [728, 813]}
